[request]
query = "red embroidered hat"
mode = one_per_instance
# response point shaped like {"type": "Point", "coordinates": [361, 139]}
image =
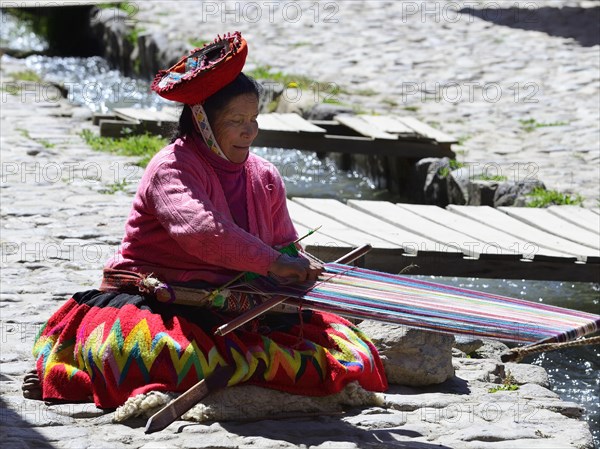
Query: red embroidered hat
{"type": "Point", "coordinates": [204, 71]}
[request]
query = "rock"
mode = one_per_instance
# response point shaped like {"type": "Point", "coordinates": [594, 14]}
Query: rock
{"type": "Point", "coordinates": [412, 356]}
{"type": "Point", "coordinates": [231, 404]}
{"type": "Point", "coordinates": [327, 111]}
{"type": "Point", "coordinates": [491, 349]}
{"type": "Point", "coordinates": [156, 52]}
{"type": "Point", "coordinates": [528, 374]}
{"type": "Point", "coordinates": [295, 100]}
{"type": "Point", "coordinates": [458, 353]}
{"type": "Point", "coordinates": [484, 433]}
{"type": "Point", "coordinates": [534, 391]}
{"type": "Point", "coordinates": [467, 344]}
{"type": "Point", "coordinates": [486, 370]}
{"type": "Point", "coordinates": [508, 194]}
{"type": "Point", "coordinates": [269, 95]}
{"type": "Point", "coordinates": [433, 183]}
{"type": "Point", "coordinates": [109, 25]}
{"type": "Point", "coordinates": [482, 192]}
{"type": "Point", "coordinates": [462, 178]}
{"type": "Point", "coordinates": [428, 188]}
{"type": "Point", "coordinates": [568, 409]}
{"type": "Point", "coordinates": [458, 192]}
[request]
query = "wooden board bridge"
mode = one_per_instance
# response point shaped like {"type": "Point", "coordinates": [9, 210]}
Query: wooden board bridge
{"type": "Point", "coordinates": [51, 3]}
{"type": "Point", "coordinates": [558, 243]}
{"type": "Point", "coordinates": [389, 135]}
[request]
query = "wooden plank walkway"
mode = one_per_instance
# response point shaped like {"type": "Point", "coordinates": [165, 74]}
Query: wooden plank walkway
{"type": "Point", "coordinates": [502, 221]}
{"type": "Point", "coordinates": [553, 224]}
{"type": "Point", "coordinates": [465, 241]}
{"type": "Point", "coordinates": [287, 122]}
{"type": "Point", "coordinates": [364, 127]}
{"type": "Point", "coordinates": [403, 137]}
{"type": "Point", "coordinates": [365, 223]}
{"type": "Point", "coordinates": [137, 115]}
{"type": "Point", "coordinates": [51, 4]}
{"type": "Point", "coordinates": [578, 215]}
{"type": "Point", "coordinates": [485, 241]}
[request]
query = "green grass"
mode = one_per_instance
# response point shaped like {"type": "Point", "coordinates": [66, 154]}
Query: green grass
{"type": "Point", "coordinates": [497, 178]}
{"type": "Point", "coordinates": [365, 92]}
{"type": "Point", "coordinates": [541, 197]}
{"type": "Point", "coordinates": [11, 89]}
{"type": "Point", "coordinates": [411, 108]}
{"type": "Point", "coordinates": [133, 35]}
{"type": "Point", "coordinates": [198, 43]}
{"type": "Point", "coordinates": [263, 72]}
{"type": "Point", "coordinates": [444, 172]}
{"type": "Point", "coordinates": [288, 80]}
{"type": "Point", "coordinates": [272, 106]}
{"type": "Point", "coordinates": [532, 124]}
{"type": "Point", "coordinates": [390, 102]}
{"type": "Point", "coordinates": [508, 384]}
{"type": "Point", "coordinates": [108, 5]}
{"type": "Point", "coordinates": [332, 101]}
{"type": "Point", "coordinates": [304, 83]}
{"type": "Point", "coordinates": [26, 75]}
{"type": "Point", "coordinates": [129, 7]}
{"type": "Point", "coordinates": [503, 388]}
{"type": "Point", "coordinates": [23, 132]}
{"type": "Point", "coordinates": [46, 143]}
{"type": "Point", "coordinates": [462, 139]}
{"type": "Point", "coordinates": [114, 187]}
{"type": "Point", "coordinates": [143, 146]}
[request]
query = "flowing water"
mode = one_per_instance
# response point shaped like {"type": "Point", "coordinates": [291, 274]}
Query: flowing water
{"type": "Point", "coordinates": [573, 372]}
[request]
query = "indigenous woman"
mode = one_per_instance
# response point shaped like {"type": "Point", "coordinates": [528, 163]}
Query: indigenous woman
{"type": "Point", "coordinates": [206, 210]}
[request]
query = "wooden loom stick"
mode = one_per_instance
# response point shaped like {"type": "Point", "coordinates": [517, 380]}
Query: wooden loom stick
{"type": "Point", "coordinates": [220, 377]}
{"type": "Point", "coordinates": [276, 300]}
{"type": "Point", "coordinates": [516, 354]}
{"type": "Point", "coordinates": [215, 381]}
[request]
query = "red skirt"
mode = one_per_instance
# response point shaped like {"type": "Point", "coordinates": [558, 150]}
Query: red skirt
{"type": "Point", "coordinates": [108, 346]}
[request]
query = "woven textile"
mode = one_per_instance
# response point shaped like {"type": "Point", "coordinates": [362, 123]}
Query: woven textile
{"type": "Point", "coordinates": [109, 346]}
{"type": "Point", "coordinates": [367, 294]}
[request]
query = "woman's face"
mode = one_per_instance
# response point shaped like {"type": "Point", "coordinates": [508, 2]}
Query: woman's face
{"type": "Point", "coordinates": [235, 127]}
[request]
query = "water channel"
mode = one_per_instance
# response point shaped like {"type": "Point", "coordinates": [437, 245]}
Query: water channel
{"type": "Point", "coordinates": [573, 372]}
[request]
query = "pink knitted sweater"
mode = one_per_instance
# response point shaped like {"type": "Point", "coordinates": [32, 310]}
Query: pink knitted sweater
{"type": "Point", "coordinates": [181, 229]}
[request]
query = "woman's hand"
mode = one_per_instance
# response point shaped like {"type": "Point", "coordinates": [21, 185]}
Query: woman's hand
{"type": "Point", "coordinates": [296, 269]}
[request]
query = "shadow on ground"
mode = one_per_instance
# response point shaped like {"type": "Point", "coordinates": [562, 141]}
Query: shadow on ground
{"type": "Point", "coordinates": [454, 385]}
{"type": "Point", "coordinates": [581, 24]}
{"type": "Point", "coordinates": [332, 431]}
{"type": "Point", "coordinates": [16, 422]}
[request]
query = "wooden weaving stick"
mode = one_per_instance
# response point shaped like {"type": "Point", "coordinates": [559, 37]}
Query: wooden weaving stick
{"type": "Point", "coordinates": [549, 344]}
{"type": "Point", "coordinates": [171, 412]}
